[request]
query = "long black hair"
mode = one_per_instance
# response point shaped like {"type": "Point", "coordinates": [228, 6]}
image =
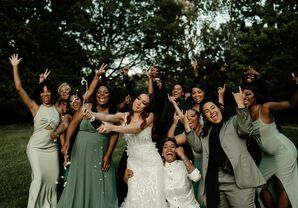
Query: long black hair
{"type": "Point", "coordinates": [207, 124]}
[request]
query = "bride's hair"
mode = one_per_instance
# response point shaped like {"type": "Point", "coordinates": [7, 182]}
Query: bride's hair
{"type": "Point", "coordinates": [146, 111]}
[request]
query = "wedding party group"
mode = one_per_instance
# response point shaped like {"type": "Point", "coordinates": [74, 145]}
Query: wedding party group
{"type": "Point", "coordinates": [206, 146]}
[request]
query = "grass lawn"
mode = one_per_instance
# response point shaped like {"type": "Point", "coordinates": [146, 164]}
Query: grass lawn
{"type": "Point", "coordinates": [15, 169]}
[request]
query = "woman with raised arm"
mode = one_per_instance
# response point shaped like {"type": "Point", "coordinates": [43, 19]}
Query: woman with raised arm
{"type": "Point", "coordinates": [42, 152]}
{"type": "Point", "coordinates": [91, 179]}
{"type": "Point", "coordinates": [145, 188]}
{"type": "Point", "coordinates": [229, 174]}
{"type": "Point", "coordinates": [279, 153]}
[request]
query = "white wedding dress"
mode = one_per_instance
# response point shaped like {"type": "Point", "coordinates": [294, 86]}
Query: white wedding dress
{"type": "Point", "coordinates": [146, 187]}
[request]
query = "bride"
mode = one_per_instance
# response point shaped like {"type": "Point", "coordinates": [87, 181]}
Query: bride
{"type": "Point", "coordinates": [145, 188]}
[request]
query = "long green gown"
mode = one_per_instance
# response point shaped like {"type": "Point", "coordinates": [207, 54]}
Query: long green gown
{"type": "Point", "coordinates": [279, 157]}
{"type": "Point", "coordinates": [42, 153]}
{"type": "Point", "coordinates": [87, 185]}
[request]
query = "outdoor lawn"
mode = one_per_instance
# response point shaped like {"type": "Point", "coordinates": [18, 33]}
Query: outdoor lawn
{"type": "Point", "coordinates": [15, 170]}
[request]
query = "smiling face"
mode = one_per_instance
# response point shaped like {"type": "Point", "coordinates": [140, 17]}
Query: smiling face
{"type": "Point", "coordinates": [102, 95]}
{"type": "Point", "coordinates": [177, 91]}
{"type": "Point", "coordinates": [74, 102]}
{"type": "Point", "coordinates": [140, 103]}
{"type": "Point", "coordinates": [197, 95]}
{"type": "Point", "coordinates": [169, 151]}
{"type": "Point", "coordinates": [63, 91]}
{"type": "Point", "coordinates": [249, 77]}
{"type": "Point", "coordinates": [249, 98]}
{"type": "Point", "coordinates": [193, 118]}
{"type": "Point", "coordinates": [212, 113]}
{"type": "Point", "coordinates": [46, 96]}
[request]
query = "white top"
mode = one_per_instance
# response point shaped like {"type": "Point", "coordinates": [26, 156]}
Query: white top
{"type": "Point", "coordinates": [178, 185]}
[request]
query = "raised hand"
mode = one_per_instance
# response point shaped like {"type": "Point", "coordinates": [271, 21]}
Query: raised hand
{"type": "Point", "coordinates": [252, 71]}
{"type": "Point", "coordinates": [43, 76]}
{"type": "Point", "coordinates": [294, 77]}
{"type": "Point", "coordinates": [176, 118]}
{"type": "Point", "coordinates": [221, 90]}
{"type": "Point", "coordinates": [221, 93]}
{"type": "Point", "coordinates": [127, 99]}
{"type": "Point", "coordinates": [154, 71]}
{"type": "Point", "coordinates": [125, 70]}
{"type": "Point", "coordinates": [238, 97]}
{"type": "Point", "coordinates": [223, 68]}
{"type": "Point", "coordinates": [149, 72]}
{"type": "Point", "coordinates": [172, 99]}
{"type": "Point", "coordinates": [101, 70]}
{"type": "Point", "coordinates": [194, 64]}
{"type": "Point", "coordinates": [15, 60]}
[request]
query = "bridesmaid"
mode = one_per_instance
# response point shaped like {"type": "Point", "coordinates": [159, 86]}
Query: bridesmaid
{"type": "Point", "coordinates": [91, 179]}
{"type": "Point", "coordinates": [279, 153]}
{"type": "Point", "coordinates": [42, 152]}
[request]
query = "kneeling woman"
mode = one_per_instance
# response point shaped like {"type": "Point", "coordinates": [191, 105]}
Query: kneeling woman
{"type": "Point", "coordinates": [229, 174]}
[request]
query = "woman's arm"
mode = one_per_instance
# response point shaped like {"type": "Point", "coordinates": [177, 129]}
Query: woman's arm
{"type": "Point", "coordinates": [269, 107]}
{"type": "Point", "coordinates": [193, 172]}
{"type": "Point", "coordinates": [33, 107]}
{"type": "Point", "coordinates": [128, 129]}
{"type": "Point", "coordinates": [242, 123]}
{"type": "Point", "coordinates": [171, 131]}
{"type": "Point", "coordinates": [62, 127]}
{"type": "Point", "coordinates": [221, 94]}
{"type": "Point", "coordinates": [126, 80]}
{"type": "Point", "coordinates": [94, 82]}
{"type": "Point", "coordinates": [150, 79]}
{"type": "Point", "coordinates": [174, 103]}
{"type": "Point", "coordinates": [107, 157]}
{"type": "Point", "coordinates": [180, 139]}
{"type": "Point", "coordinates": [118, 117]}
{"type": "Point", "coordinates": [71, 129]}
{"type": "Point", "coordinates": [125, 103]}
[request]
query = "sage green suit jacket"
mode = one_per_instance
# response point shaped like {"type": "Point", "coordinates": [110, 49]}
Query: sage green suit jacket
{"type": "Point", "coordinates": [232, 139]}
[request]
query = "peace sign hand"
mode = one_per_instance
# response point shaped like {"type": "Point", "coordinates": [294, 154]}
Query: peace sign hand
{"type": "Point", "coordinates": [43, 76]}
{"type": "Point", "coordinates": [101, 70]}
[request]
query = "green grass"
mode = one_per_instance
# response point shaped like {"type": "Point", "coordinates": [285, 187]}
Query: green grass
{"type": "Point", "coordinates": [15, 169]}
{"type": "Point", "coordinates": [14, 166]}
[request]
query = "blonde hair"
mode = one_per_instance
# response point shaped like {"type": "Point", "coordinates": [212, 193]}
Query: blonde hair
{"type": "Point", "coordinates": [64, 84]}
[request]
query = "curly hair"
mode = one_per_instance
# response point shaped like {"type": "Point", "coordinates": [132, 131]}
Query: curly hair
{"type": "Point", "coordinates": [40, 89]}
{"type": "Point", "coordinates": [111, 102]}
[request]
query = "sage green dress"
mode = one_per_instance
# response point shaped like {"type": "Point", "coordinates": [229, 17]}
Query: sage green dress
{"type": "Point", "coordinates": [87, 185]}
{"type": "Point", "coordinates": [42, 153]}
{"type": "Point", "coordinates": [279, 157]}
